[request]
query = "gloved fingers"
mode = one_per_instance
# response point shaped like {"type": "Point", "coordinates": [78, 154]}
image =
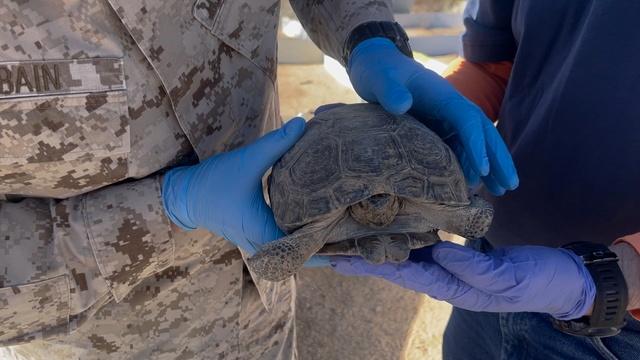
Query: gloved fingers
{"type": "Point", "coordinates": [357, 266]}
{"type": "Point", "coordinates": [428, 278]}
{"type": "Point", "coordinates": [492, 185]}
{"type": "Point", "coordinates": [258, 225]}
{"type": "Point", "coordinates": [433, 280]}
{"type": "Point", "coordinates": [243, 239]}
{"type": "Point", "coordinates": [467, 120]}
{"type": "Point", "coordinates": [238, 238]}
{"type": "Point", "coordinates": [473, 179]}
{"type": "Point", "coordinates": [327, 107]}
{"type": "Point", "coordinates": [430, 91]}
{"type": "Point", "coordinates": [490, 274]}
{"type": "Point", "coordinates": [391, 94]}
{"type": "Point", "coordinates": [174, 199]}
{"type": "Point", "coordinates": [318, 261]}
{"type": "Point", "coordinates": [459, 121]}
{"type": "Point", "coordinates": [378, 70]}
{"type": "Point", "coordinates": [467, 168]}
{"type": "Point", "coordinates": [409, 275]}
{"type": "Point", "coordinates": [502, 169]}
{"type": "Point", "coordinates": [470, 298]}
{"type": "Point", "coordinates": [440, 284]}
{"type": "Point", "coordinates": [265, 151]}
{"type": "Point", "coordinates": [437, 102]}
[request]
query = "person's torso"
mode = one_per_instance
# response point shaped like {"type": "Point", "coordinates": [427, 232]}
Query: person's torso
{"type": "Point", "coordinates": [204, 306]}
{"type": "Point", "coordinates": [94, 92]}
{"type": "Point", "coordinates": [571, 118]}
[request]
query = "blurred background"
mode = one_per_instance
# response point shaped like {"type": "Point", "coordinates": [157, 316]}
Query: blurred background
{"type": "Point", "coordinates": [347, 318]}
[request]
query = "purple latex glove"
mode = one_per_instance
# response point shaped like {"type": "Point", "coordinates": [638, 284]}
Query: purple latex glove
{"type": "Point", "coordinates": [513, 279]}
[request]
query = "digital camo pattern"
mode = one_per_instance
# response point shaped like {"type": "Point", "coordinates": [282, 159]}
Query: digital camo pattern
{"type": "Point", "coordinates": [45, 309]}
{"type": "Point", "coordinates": [201, 307]}
{"type": "Point", "coordinates": [90, 131]}
{"type": "Point", "coordinates": [191, 307]}
{"type": "Point", "coordinates": [124, 133]}
{"type": "Point", "coordinates": [329, 22]}
{"type": "Point", "coordinates": [133, 242]}
{"type": "Point", "coordinates": [99, 265]}
{"type": "Point", "coordinates": [223, 99]}
{"type": "Point", "coordinates": [253, 36]}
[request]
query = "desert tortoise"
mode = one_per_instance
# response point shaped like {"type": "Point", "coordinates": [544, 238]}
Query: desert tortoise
{"type": "Point", "coordinates": [364, 182]}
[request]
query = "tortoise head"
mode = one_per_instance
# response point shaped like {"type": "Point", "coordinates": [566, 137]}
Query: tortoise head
{"type": "Point", "coordinates": [376, 211]}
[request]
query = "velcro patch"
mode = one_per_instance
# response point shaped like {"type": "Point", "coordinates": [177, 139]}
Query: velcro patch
{"type": "Point", "coordinates": [55, 77]}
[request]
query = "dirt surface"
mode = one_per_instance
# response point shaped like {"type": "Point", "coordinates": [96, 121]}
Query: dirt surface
{"type": "Point", "coordinates": [354, 318]}
{"type": "Point", "coordinates": [437, 5]}
{"type": "Point", "coordinates": [411, 32]}
{"type": "Point", "coordinates": [302, 88]}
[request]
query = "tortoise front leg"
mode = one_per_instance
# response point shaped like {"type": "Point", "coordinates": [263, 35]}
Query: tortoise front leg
{"type": "Point", "coordinates": [280, 259]}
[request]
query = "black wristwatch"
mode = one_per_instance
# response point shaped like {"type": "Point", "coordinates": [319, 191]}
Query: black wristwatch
{"type": "Point", "coordinates": [386, 29]}
{"type": "Point", "coordinates": [610, 304]}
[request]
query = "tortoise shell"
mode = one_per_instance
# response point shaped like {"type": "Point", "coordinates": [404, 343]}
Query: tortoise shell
{"type": "Point", "coordinates": [364, 151]}
{"type": "Point", "coordinates": [362, 182]}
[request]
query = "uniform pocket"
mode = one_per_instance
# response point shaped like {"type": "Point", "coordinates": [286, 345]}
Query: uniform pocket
{"type": "Point", "coordinates": [64, 126]}
{"type": "Point", "coordinates": [249, 27]}
{"type": "Point", "coordinates": [34, 311]}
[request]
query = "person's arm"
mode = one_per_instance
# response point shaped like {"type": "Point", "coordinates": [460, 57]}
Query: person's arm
{"type": "Point", "coordinates": [511, 279]}
{"type": "Point", "coordinates": [628, 250]}
{"type": "Point", "coordinates": [484, 84]}
{"type": "Point", "coordinates": [383, 73]}
{"type": "Point", "coordinates": [330, 22]}
{"type": "Point", "coordinates": [61, 258]}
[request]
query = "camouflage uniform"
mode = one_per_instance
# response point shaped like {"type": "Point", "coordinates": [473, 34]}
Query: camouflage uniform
{"type": "Point", "coordinates": [97, 97]}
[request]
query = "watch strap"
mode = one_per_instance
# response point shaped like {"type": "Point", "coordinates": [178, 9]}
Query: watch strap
{"type": "Point", "coordinates": [371, 29]}
{"type": "Point", "coordinates": [609, 307]}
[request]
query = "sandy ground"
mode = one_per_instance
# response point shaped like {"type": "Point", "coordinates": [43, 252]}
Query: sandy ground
{"type": "Point", "coordinates": [354, 318]}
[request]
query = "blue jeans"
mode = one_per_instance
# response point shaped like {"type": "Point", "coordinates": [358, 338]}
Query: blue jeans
{"type": "Point", "coordinates": [485, 336]}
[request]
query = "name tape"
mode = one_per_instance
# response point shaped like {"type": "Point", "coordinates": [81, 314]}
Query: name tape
{"type": "Point", "coordinates": [54, 77]}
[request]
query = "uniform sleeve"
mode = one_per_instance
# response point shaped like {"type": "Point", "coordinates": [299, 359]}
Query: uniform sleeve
{"type": "Point", "coordinates": [488, 34]}
{"type": "Point", "coordinates": [330, 22]}
{"type": "Point", "coordinates": [484, 84]}
{"type": "Point", "coordinates": [60, 259]}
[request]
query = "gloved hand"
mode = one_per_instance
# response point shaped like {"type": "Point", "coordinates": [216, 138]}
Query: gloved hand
{"type": "Point", "coordinates": [380, 73]}
{"type": "Point", "coordinates": [224, 193]}
{"type": "Point", "coordinates": [513, 279]}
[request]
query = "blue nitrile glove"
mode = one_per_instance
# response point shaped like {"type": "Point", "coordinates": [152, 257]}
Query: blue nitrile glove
{"type": "Point", "coordinates": [223, 194]}
{"type": "Point", "coordinates": [513, 279]}
{"type": "Point", "coordinates": [380, 73]}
